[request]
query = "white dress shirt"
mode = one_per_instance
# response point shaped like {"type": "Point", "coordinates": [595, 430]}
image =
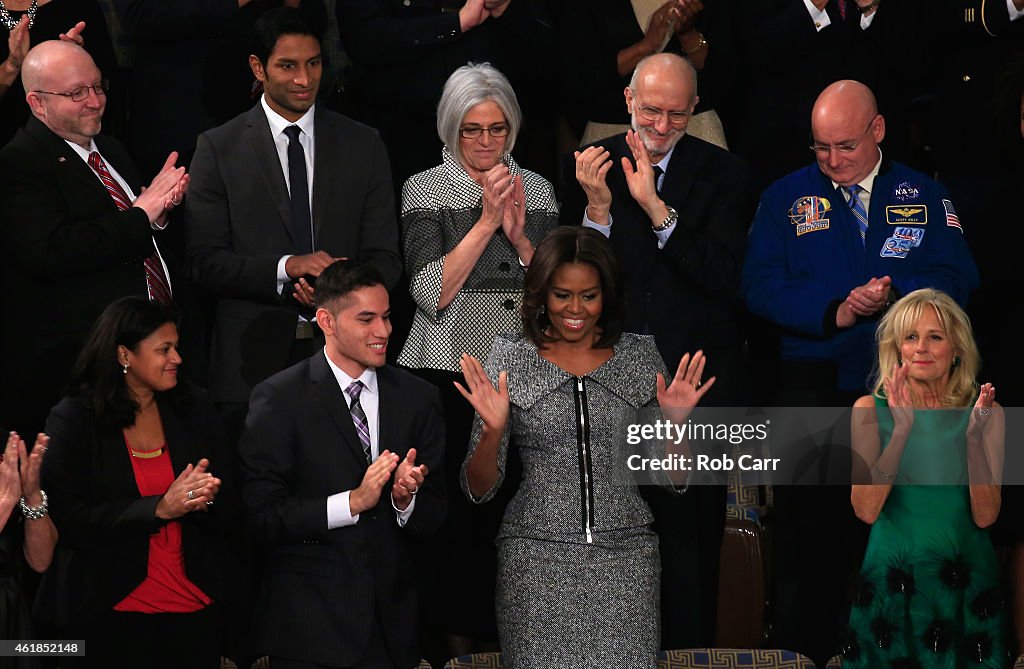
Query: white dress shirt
{"type": "Point", "coordinates": [306, 138]}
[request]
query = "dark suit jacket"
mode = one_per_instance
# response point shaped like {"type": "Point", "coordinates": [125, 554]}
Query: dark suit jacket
{"type": "Point", "coordinates": [685, 294]}
{"type": "Point", "coordinates": [236, 226]}
{"type": "Point", "coordinates": [70, 252]}
{"type": "Point", "coordinates": [323, 587]}
{"type": "Point", "coordinates": [105, 525]}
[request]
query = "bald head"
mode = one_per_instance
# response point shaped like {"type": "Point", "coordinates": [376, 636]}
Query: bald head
{"type": "Point", "coordinates": [51, 72]}
{"type": "Point", "coordinates": [45, 61]}
{"type": "Point", "coordinates": [846, 129]}
{"type": "Point", "coordinates": [667, 68]}
{"type": "Point", "coordinates": [846, 98]}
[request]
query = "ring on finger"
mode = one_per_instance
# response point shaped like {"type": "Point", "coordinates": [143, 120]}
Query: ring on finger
{"type": "Point", "coordinates": [984, 412]}
{"type": "Point", "coordinates": [413, 490]}
{"type": "Point", "coordinates": [209, 502]}
{"type": "Point", "coordinates": [191, 494]}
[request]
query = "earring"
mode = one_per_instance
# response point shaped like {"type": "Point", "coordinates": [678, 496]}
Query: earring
{"type": "Point", "coordinates": [899, 360]}
{"type": "Point", "coordinates": [956, 363]}
{"type": "Point", "coordinates": [124, 369]}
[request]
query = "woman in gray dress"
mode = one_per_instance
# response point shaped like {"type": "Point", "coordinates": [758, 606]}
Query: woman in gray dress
{"type": "Point", "coordinates": [578, 568]}
{"type": "Point", "coordinates": [469, 226]}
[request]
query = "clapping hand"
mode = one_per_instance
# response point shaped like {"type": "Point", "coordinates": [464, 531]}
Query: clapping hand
{"type": "Point", "coordinates": [366, 496]}
{"type": "Point", "coordinates": [982, 411]}
{"type": "Point", "coordinates": [497, 186]}
{"type": "Point", "coordinates": [10, 481]}
{"type": "Point", "coordinates": [408, 478]}
{"type": "Point", "coordinates": [194, 490]}
{"type": "Point", "coordinates": [641, 179]}
{"type": "Point", "coordinates": [592, 166]}
{"type": "Point", "coordinates": [897, 393]}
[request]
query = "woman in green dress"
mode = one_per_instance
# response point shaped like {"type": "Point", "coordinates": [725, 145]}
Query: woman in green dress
{"type": "Point", "coordinates": [928, 447]}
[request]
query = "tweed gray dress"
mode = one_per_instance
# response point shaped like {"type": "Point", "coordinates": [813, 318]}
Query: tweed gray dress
{"type": "Point", "coordinates": [439, 207]}
{"type": "Point", "coordinates": [578, 566]}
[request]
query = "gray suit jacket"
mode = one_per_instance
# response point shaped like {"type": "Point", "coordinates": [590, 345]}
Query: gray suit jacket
{"type": "Point", "coordinates": [237, 229]}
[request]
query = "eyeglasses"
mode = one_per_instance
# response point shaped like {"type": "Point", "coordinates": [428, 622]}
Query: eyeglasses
{"type": "Point", "coordinates": [475, 131]}
{"type": "Point", "coordinates": [653, 114]}
{"type": "Point", "coordinates": [845, 147]}
{"type": "Point", "coordinates": [82, 92]}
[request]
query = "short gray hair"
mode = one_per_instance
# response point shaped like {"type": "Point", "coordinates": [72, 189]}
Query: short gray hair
{"type": "Point", "coordinates": [469, 86]}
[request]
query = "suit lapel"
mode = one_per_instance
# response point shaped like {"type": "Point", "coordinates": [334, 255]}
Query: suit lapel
{"type": "Point", "coordinates": [69, 163]}
{"type": "Point", "coordinates": [326, 162]}
{"type": "Point", "coordinates": [681, 172]}
{"type": "Point", "coordinates": [387, 391]}
{"type": "Point", "coordinates": [325, 387]}
{"type": "Point", "coordinates": [269, 165]}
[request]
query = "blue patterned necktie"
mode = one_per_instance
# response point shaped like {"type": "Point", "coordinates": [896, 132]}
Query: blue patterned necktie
{"type": "Point", "coordinates": [857, 207]}
{"type": "Point", "coordinates": [359, 417]}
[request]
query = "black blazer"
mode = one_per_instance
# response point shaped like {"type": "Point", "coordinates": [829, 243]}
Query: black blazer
{"type": "Point", "coordinates": [69, 253]}
{"type": "Point", "coordinates": [105, 524]}
{"type": "Point", "coordinates": [323, 587]}
{"type": "Point", "coordinates": [236, 230]}
{"type": "Point", "coordinates": [686, 294]}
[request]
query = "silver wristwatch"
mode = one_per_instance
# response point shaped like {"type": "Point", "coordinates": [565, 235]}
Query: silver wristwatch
{"type": "Point", "coordinates": [670, 220]}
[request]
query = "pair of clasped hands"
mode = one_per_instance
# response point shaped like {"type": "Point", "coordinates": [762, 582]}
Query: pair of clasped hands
{"type": "Point", "coordinates": [863, 301]}
{"type": "Point", "coordinates": [408, 477]}
{"type": "Point", "coordinates": [504, 207]}
{"type": "Point", "coordinates": [195, 489]}
{"type": "Point", "coordinates": [592, 167]}
{"type": "Point", "coordinates": [673, 17]}
{"type": "Point", "coordinates": [19, 473]}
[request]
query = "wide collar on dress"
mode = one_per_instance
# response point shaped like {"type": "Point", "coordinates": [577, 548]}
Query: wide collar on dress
{"type": "Point", "coordinates": [628, 374]}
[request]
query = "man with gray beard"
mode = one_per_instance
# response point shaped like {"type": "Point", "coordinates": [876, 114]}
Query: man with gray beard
{"type": "Point", "coordinates": [676, 210]}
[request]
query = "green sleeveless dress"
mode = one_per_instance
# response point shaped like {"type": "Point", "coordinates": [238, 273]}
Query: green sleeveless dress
{"type": "Point", "coordinates": [929, 591]}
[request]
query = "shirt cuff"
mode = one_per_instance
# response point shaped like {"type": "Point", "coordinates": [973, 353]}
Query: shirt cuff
{"type": "Point", "coordinates": [339, 513]}
{"type": "Point", "coordinates": [605, 230]}
{"type": "Point", "coordinates": [819, 16]}
{"type": "Point", "coordinates": [283, 278]}
{"type": "Point", "coordinates": [663, 235]}
{"type": "Point", "coordinates": [1012, 10]}
{"type": "Point", "coordinates": [403, 516]}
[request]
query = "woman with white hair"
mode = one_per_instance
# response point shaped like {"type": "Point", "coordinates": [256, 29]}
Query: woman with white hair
{"type": "Point", "coordinates": [469, 229]}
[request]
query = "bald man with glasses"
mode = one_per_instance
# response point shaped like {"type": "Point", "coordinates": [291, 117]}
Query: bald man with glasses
{"type": "Point", "coordinates": [676, 210]}
{"type": "Point", "coordinates": [79, 229]}
{"type": "Point", "coordinates": [831, 246]}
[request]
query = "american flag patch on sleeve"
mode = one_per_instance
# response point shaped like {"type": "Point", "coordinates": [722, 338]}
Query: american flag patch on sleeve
{"type": "Point", "coordinates": [952, 220]}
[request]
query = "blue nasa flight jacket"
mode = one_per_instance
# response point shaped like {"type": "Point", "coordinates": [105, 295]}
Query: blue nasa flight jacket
{"type": "Point", "coordinates": [805, 255]}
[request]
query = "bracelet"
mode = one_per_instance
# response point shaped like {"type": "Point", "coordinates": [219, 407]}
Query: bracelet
{"type": "Point", "coordinates": [34, 512]}
{"type": "Point", "coordinates": [888, 478]}
{"type": "Point", "coordinates": [701, 43]}
{"type": "Point", "coordinates": [868, 7]}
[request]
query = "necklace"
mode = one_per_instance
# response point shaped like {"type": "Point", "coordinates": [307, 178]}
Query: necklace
{"type": "Point", "coordinates": [11, 22]}
{"type": "Point", "coordinates": [145, 455]}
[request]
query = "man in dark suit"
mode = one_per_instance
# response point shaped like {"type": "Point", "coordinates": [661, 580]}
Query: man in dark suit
{"type": "Point", "coordinates": [339, 588]}
{"type": "Point", "coordinates": [75, 234]}
{"type": "Point", "coordinates": [679, 237]}
{"type": "Point", "coordinates": [277, 194]}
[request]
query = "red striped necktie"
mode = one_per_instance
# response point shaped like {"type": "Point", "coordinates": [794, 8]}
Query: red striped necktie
{"type": "Point", "coordinates": [156, 281]}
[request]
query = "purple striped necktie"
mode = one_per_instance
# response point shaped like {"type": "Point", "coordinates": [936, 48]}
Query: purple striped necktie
{"type": "Point", "coordinates": [156, 281]}
{"type": "Point", "coordinates": [359, 417]}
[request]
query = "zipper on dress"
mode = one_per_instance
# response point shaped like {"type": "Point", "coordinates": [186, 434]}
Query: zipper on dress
{"type": "Point", "coordinates": [586, 469]}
